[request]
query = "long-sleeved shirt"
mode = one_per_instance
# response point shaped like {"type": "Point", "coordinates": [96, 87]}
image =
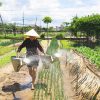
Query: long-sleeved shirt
{"type": "Point", "coordinates": [31, 46]}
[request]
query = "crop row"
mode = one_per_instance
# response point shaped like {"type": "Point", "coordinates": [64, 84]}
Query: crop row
{"type": "Point", "coordinates": [7, 45]}
{"type": "Point", "coordinates": [65, 44]}
{"type": "Point", "coordinates": [4, 50]}
{"type": "Point", "coordinates": [9, 42]}
{"type": "Point", "coordinates": [92, 54]}
{"type": "Point", "coordinates": [50, 84]}
{"type": "Point", "coordinates": [6, 59]}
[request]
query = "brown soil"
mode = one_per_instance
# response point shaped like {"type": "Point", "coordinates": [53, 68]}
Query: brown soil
{"type": "Point", "coordinates": [15, 85]}
{"type": "Point", "coordinates": [68, 89]}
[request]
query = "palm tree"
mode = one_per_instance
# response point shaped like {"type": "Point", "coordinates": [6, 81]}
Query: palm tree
{"type": "Point", "coordinates": [47, 20]}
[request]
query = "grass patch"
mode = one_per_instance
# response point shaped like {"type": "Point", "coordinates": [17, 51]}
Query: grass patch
{"type": "Point", "coordinates": [6, 59]}
{"type": "Point", "coordinates": [5, 49]}
{"type": "Point", "coordinates": [12, 36]}
{"type": "Point", "coordinates": [7, 42]}
{"type": "Point", "coordinates": [65, 44]}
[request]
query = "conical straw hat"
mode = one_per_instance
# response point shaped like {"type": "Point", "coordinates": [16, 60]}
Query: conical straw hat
{"type": "Point", "coordinates": [32, 32]}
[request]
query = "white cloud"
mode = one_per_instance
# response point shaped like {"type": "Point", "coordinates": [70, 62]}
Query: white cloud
{"type": "Point", "coordinates": [79, 2]}
{"type": "Point", "coordinates": [9, 10]}
{"type": "Point", "coordinates": [12, 10]}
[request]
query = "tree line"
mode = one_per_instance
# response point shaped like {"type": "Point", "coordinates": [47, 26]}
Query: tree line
{"type": "Point", "coordinates": [87, 26]}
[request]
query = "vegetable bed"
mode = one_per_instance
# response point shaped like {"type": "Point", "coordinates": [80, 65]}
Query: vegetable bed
{"type": "Point", "coordinates": [50, 85]}
{"type": "Point", "coordinates": [92, 54]}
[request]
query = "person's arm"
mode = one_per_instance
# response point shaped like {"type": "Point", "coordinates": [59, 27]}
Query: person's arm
{"type": "Point", "coordinates": [21, 46]}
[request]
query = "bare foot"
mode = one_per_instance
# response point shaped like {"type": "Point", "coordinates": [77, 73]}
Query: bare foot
{"type": "Point", "coordinates": [32, 88]}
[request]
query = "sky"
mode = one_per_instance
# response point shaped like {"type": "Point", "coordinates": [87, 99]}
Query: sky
{"type": "Point", "coordinates": [33, 11]}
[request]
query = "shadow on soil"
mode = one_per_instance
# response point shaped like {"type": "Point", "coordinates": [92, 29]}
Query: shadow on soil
{"type": "Point", "coordinates": [19, 87]}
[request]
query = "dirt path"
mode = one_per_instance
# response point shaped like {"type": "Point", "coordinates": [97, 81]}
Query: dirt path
{"type": "Point", "coordinates": [68, 90]}
{"type": "Point", "coordinates": [15, 85]}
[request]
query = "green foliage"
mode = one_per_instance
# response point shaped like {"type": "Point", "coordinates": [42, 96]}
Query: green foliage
{"type": "Point", "coordinates": [52, 47]}
{"type": "Point", "coordinates": [42, 35]}
{"type": "Point", "coordinates": [65, 23]}
{"type": "Point", "coordinates": [72, 28]}
{"type": "Point", "coordinates": [47, 19]}
{"type": "Point", "coordinates": [17, 36]}
{"type": "Point", "coordinates": [59, 36]}
{"type": "Point", "coordinates": [6, 59]}
{"type": "Point", "coordinates": [5, 49]}
{"type": "Point", "coordinates": [12, 28]}
{"type": "Point", "coordinates": [6, 43]}
{"type": "Point", "coordinates": [91, 54]}
{"type": "Point", "coordinates": [65, 44]}
{"type": "Point", "coordinates": [89, 25]}
{"type": "Point", "coordinates": [53, 87]}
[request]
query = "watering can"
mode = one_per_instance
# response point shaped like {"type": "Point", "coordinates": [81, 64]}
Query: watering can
{"type": "Point", "coordinates": [19, 61]}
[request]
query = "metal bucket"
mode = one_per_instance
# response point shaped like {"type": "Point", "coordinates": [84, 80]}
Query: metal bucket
{"type": "Point", "coordinates": [46, 60]}
{"type": "Point", "coordinates": [16, 62]}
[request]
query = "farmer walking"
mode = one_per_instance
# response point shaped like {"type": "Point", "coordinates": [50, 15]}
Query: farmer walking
{"type": "Point", "coordinates": [32, 45]}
